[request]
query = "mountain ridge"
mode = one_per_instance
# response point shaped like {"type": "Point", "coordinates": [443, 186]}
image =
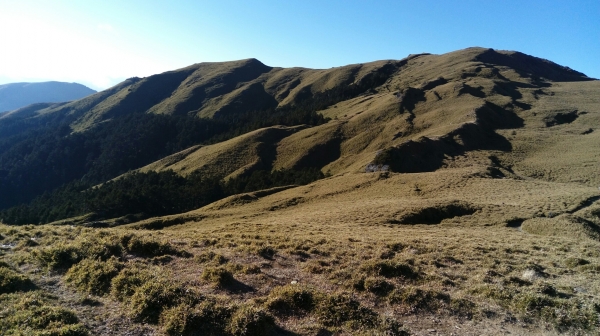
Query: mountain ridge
{"type": "Point", "coordinates": [417, 114]}
{"type": "Point", "coordinates": [453, 193]}
{"type": "Point", "coordinates": [17, 95]}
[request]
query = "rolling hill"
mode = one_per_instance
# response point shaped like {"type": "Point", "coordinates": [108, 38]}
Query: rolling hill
{"type": "Point", "coordinates": [453, 193]}
{"type": "Point", "coordinates": [17, 95]}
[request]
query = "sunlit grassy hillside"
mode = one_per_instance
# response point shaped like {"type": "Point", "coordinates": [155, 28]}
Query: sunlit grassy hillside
{"type": "Point", "coordinates": [484, 221]}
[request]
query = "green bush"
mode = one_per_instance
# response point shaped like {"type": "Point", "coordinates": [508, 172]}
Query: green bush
{"type": "Point", "coordinates": [61, 256]}
{"type": "Point", "coordinates": [148, 247]}
{"type": "Point", "coordinates": [418, 299]}
{"type": "Point", "coordinates": [291, 300]}
{"type": "Point", "coordinates": [389, 269]}
{"type": "Point", "coordinates": [31, 314]}
{"type": "Point", "coordinates": [93, 276]}
{"type": "Point", "coordinates": [250, 321]}
{"type": "Point", "coordinates": [124, 284]}
{"type": "Point", "coordinates": [211, 256]}
{"type": "Point", "coordinates": [462, 307]}
{"type": "Point", "coordinates": [152, 297]}
{"type": "Point", "coordinates": [266, 252]}
{"type": "Point", "coordinates": [11, 281]}
{"type": "Point", "coordinates": [218, 276]}
{"type": "Point", "coordinates": [206, 318]}
{"type": "Point", "coordinates": [377, 286]}
{"type": "Point", "coordinates": [563, 314]}
{"type": "Point", "coordinates": [531, 302]}
{"type": "Point", "coordinates": [338, 309]}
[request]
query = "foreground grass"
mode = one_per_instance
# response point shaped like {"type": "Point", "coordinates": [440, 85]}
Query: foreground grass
{"type": "Point", "coordinates": [214, 280]}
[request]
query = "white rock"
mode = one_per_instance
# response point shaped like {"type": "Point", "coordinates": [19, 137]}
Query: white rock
{"type": "Point", "coordinates": [530, 275]}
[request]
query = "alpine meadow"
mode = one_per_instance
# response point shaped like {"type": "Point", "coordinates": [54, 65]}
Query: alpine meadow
{"type": "Point", "coordinates": [451, 194]}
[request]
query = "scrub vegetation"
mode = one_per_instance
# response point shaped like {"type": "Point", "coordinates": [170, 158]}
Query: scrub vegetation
{"type": "Point", "coordinates": [391, 280]}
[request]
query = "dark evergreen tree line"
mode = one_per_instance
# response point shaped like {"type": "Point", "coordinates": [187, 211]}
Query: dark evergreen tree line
{"type": "Point", "coordinates": [39, 155]}
{"type": "Point", "coordinates": [146, 194]}
{"type": "Point", "coordinates": [44, 158]}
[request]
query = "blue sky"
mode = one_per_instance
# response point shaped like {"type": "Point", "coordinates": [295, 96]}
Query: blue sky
{"type": "Point", "coordinates": [100, 43]}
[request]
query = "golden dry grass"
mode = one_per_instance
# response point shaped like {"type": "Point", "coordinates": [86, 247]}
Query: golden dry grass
{"type": "Point", "coordinates": [228, 158]}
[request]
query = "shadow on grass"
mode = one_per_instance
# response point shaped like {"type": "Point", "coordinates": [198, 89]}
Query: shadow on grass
{"type": "Point", "coordinates": [238, 287]}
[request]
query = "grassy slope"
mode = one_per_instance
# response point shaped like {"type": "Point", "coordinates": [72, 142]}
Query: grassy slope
{"type": "Point", "coordinates": [228, 158]}
{"type": "Point", "coordinates": [512, 244]}
{"type": "Point", "coordinates": [363, 126]}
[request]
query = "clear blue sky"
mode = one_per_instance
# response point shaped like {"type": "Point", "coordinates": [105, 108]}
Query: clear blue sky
{"type": "Point", "coordinates": [99, 43]}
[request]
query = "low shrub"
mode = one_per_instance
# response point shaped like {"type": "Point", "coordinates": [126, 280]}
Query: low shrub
{"type": "Point", "coordinates": [93, 276]}
{"type": "Point", "coordinates": [250, 321]}
{"type": "Point", "coordinates": [206, 318]}
{"type": "Point", "coordinates": [219, 277]}
{"type": "Point", "coordinates": [548, 289]}
{"type": "Point", "coordinates": [148, 247]}
{"type": "Point", "coordinates": [563, 314]}
{"type": "Point", "coordinates": [340, 309]}
{"type": "Point", "coordinates": [11, 281]}
{"type": "Point", "coordinates": [61, 256]}
{"type": "Point", "coordinates": [251, 269]}
{"type": "Point", "coordinates": [25, 243]}
{"type": "Point", "coordinates": [389, 269]}
{"type": "Point", "coordinates": [156, 295]}
{"type": "Point", "coordinates": [437, 213]}
{"type": "Point", "coordinates": [378, 286]}
{"type": "Point", "coordinates": [31, 314]}
{"type": "Point", "coordinates": [593, 268]}
{"type": "Point", "coordinates": [462, 307]}
{"type": "Point", "coordinates": [266, 252]}
{"type": "Point", "coordinates": [291, 300]}
{"type": "Point", "coordinates": [316, 267]}
{"type": "Point", "coordinates": [211, 257]}
{"type": "Point", "coordinates": [124, 284]}
{"type": "Point", "coordinates": [531, 302]}
{"type": "Point", "coordinates": [419, 299]}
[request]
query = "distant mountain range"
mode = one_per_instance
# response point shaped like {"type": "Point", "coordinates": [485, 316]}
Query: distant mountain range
{"type": "Point", "coordinates": [17, 95]}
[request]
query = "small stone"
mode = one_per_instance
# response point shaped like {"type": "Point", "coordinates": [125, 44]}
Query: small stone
{"type": "Point", "coordinates": [294, 282]}
{"type": "Point", "coordinates": [431, 330]}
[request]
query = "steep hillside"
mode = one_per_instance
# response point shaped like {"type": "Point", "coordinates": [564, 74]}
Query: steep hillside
{"type": "Point", "coordinates": [437, 194]}
{"type": "Point", "coordinates": [17, 95]}
{"type": "Point", "coordinates": [433, 109]}
{"type": "Point", "coordinates": [417, 114]}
